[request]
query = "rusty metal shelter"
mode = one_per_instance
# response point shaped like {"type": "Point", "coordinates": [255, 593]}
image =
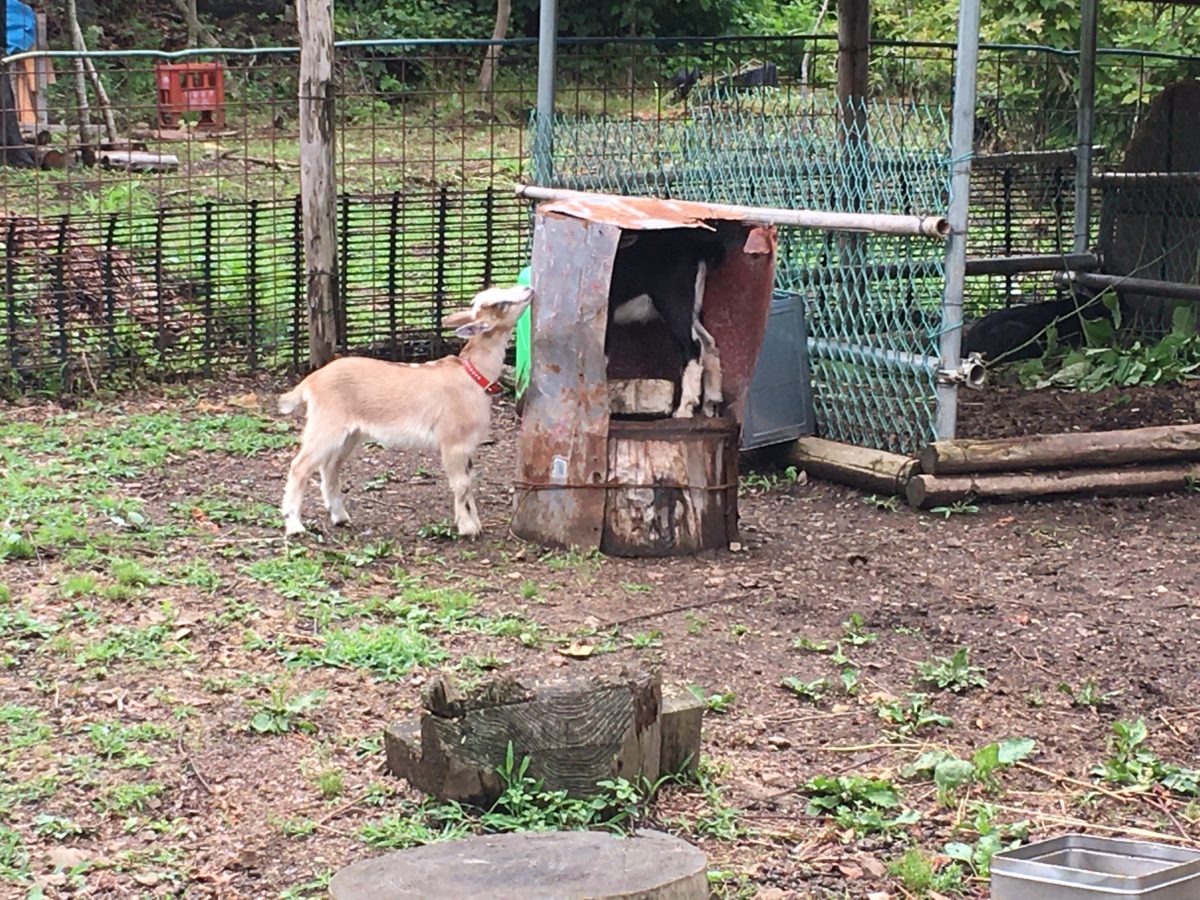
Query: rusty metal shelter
{"type": "Point", "coordinates": [588, 476]}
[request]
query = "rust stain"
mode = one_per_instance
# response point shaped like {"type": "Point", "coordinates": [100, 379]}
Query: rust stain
{"type": "Point", "coordinates": [640, 213]}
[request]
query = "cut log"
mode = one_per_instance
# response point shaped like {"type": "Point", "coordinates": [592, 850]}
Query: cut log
{"type": "Point", "coordinates": [641, 396]}
{"type": "Point", "coordinates": [672, 487]}
{"type": "Point", "coordinates": [925, 491]}
{"type": "Point", "coordinates": [575, 733]}
{"type": "Point", "coordinates": [860, 467]}
{"type": "Point", "coordinates": [1159, 444]}
{"type": "Point", "coordinates": [135, 161]}
{"type": "Point", "coordinates": [682, 719]}
{"type": "Point", "coordinates": [648, 866]}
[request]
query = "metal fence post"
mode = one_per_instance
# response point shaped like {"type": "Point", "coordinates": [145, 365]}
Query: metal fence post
{"type": "Point", "coordinates": [543, 137]}
{"type": "Point", "coordinates": [1086, 123]}
{"type": "Point", "coordinates": [962, 137]}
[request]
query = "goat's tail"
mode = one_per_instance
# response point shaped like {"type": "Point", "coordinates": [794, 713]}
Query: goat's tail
{"type": "Point", "coordinates": [291, 401]}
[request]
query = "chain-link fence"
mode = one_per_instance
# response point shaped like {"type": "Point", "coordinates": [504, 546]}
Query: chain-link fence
{"type": "Point", "coordinates": [165, 242]}
{"type": "Point", "coordinates": [872, 302]}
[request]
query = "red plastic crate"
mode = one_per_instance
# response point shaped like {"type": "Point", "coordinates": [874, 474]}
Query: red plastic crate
{"type": "Point", "coordinates": [191, 88]}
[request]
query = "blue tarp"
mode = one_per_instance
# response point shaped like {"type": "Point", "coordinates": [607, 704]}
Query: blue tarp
{"type": "Point", "coordinates": [22, 27]}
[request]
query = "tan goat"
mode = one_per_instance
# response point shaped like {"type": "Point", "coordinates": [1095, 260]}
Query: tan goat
{"type": "Point", "coordinates": [441, 405]}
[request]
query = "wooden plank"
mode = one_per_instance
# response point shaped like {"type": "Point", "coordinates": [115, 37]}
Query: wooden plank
{"type": "Point", "coordinates": [318, 189]}
{"type": "Point", "coordinates": [1157, 444]}
{"type": "Point", "coordinates": [860, 467]}
{"type": "Point", "coordinates": [925, 491]}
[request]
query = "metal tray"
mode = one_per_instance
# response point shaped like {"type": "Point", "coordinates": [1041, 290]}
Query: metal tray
{"type": "Point", "coordinates": [1082, 867]}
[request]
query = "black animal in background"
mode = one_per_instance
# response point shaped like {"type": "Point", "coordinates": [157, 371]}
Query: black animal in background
{"type": "Point", "coordinates": [662, 275]}
{"type": "Point", "coordinates": [683, 81]}
{"type": "Point", "coordinates": [1019, 332]}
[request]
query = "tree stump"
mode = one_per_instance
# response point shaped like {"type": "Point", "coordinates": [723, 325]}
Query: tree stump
{"type": "Point", "coordinates": [567, 865]}
{"type": "Point", "coordinates": [575, 732]}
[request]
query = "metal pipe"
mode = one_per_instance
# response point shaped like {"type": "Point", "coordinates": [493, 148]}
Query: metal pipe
{"type": "Point", "coordinates": [970, 371]}
{"type": "Point", "coordinates": [543, 137]}
{"type": "Point", "coordinates": [1086, 123]}
{"type": "Point", "coordinates": [874, 223]}
{"type": "Point", "coordinates": [962, 137]}
{"type": "Point", "coordinates": [1152, 287]}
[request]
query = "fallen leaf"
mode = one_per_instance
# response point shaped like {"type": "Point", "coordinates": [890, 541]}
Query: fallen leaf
{"type": "Point", "coordinates": [1004, 520]}
{"type": "Point", "coordinates": [207, 406]}
{"type": "Point", "coordinates": [67, 857]}
{"type": "Point", "coordinates": [854, 873]}
{"type": "Point", "coordinates": [873, 866]}
{"type": "Point", "coordinates": [576, 650]}
{"type": "Point", "coordinates": [246, 401]}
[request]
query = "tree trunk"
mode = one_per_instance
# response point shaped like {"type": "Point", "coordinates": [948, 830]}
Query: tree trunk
{"type": "Point", "coordinates": [196, 32]}
{"type": "Point", "coordinates": [318, 188]}
{"type": "Point", "coordinates": [487, 74]}
{"type": "Point", "coordinates": [84, 66]}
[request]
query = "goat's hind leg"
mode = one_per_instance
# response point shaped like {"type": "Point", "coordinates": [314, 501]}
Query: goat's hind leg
{"type": "Point", "coordinates": [710, 362]}
{"type": "Point", "coordinates": [331, 479]}
{"type": "Point", "coordinates": [456, 460]}
{"type": "Point", "coordinates": [299, 472]}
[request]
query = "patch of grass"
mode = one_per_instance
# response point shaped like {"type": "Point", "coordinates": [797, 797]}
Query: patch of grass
{"type": "Point", "coordinates": [910, 715]}
{"type": "Point", "coordinates": [646, 640]}
{"type": "Point", "coordinates": [950, 773]}
{"type": "Point", "coordinates": [1131, 764]}
{"type": "Point", "coordinates": [917, 874]}
{"type": "Point", "coordinates": [583, 561]}
{"type": "Point", "coordinates": [389, 652]}
{"type": "Point", "coordinates": [864, 805]}
{"type": "Point", "coordinates": [954, 673]}
{"type": "Point", "coordinates": [854, 632]}
{"type": "Point", "coordinates": [809, 691]}
{"type": "Point", "coordinates": [80, 584]}
{"type": "Point", "coordinates": [1089, 694]}
{"type": "Point", "coordinates": [293, 575]}
{"type": "Point", "coordinates": [280, 713]}
{"type": "Point", "coordinates": [331, 784]}
{"type": "Point", "coordinates": [717, 703]}
{"type": "Point", "coordinates": [23, 726]}
{"type": "Point", "coordinates": [121, 799]}
{"type": "Point", "coordinates": [113, 742]}
{"type": "Point", "coordinates": [156, 645]}
{"type": "Point", "coordinates": [889, 503]}
{"type": "Point", "coordinates": [14, 858]}
{"type": "Point", "coordinates": [992, 837]}
{"type": "Point", "coordinates": [529, 590]}
{"type": "Point", "coordinates": [760, 482]}
{"type": "Point", "coordinates": [442, 530]}
{"type": "Point", "coordinates": [58, 828]}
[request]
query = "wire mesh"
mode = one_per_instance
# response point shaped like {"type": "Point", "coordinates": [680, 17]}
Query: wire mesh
{"type": "Point", "coordinates": [872, 302]}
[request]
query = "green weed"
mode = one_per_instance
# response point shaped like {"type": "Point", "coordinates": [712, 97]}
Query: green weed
{"type": "Point", "coordinates": [953, 673]}
{"type": "Point", "coordinates": [864, 805]}
{"type": "Point", "coordinates": [281, 713]}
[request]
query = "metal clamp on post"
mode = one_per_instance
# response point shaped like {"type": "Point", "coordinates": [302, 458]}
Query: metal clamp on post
{"type": "Point", "coordinates": [970, 372]}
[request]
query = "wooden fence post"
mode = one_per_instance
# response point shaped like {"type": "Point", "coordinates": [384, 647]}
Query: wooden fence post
{"type": "Point", "coordinates": [318, 190]}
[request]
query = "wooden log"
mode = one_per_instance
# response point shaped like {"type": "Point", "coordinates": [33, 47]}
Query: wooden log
{"type": "Point", "coordinates": [318, 188]}
{"type": "Point", "coordinates": [672, 487]}
{"type": "Point", "coordinates": [650, 865]}
{"type": "Point", "coordinates": [682, 720]}
{"type": "Point", "coordinates": [1157, 444]}
{"type": "Point", "coordinates": [575, 732]}
{"type": "Point", "coordinates": [926, 491]}
{"type": "Point", "coordinates": [641, 396]}
{"type": "Point", "coordinates": [860, 467]}
{"type": "Point", "coordinates": [135, 161]}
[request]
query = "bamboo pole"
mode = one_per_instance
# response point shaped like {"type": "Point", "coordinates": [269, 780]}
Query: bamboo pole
{"type": "Point", "coordinates": [1158, 444]}
{"type": "Point", "coordinates": [873, 223]}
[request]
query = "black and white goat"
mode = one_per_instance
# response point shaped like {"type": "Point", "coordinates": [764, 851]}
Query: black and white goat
{"type": "Point", "coordinates": [662, 274]}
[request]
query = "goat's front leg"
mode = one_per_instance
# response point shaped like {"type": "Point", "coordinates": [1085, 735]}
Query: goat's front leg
{"type": "Point", "coordinates": [457, 463]}
{"type": "Point", "coordinates": [710, 362]}
{"type": "Point", "coordinates": [689, 389]}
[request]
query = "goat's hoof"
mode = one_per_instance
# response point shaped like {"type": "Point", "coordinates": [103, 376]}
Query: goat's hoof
{"type": "Point", "coordinates": [339, 520]}
{"type": "Point", "coordinates": [291, 529]}
{"type": "Point", "coordinates": [469, 530]}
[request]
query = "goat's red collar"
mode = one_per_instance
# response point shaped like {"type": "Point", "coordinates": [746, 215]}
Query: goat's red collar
{"type": "Point", "coordinates": [489, 387]}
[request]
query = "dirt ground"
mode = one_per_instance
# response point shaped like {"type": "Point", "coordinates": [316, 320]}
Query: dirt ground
{"type": "Point", "coordinates": [1043, 594]}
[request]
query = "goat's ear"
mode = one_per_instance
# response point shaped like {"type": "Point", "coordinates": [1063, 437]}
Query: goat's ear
{"type": "Point", "coordinates": [459, 317]}
{"type": "Point", "coordinates": [472, 328]}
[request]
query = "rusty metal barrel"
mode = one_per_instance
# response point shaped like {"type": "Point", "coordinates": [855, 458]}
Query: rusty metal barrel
{"type": "Point", "coordinates": [591, 474]}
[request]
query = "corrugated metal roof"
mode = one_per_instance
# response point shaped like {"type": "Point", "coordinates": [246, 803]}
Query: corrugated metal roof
{"type": "Point", "coordinates": [641, 213]}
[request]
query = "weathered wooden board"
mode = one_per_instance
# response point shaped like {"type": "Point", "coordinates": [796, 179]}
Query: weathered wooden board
{"type": "Point", "coordinates": [562, 444]}
{"type": "Point", "coordinates": [649, 865]}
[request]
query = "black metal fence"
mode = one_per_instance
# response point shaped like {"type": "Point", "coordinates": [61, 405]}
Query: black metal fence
{"type": "Point", "coordinates": [164, 243]}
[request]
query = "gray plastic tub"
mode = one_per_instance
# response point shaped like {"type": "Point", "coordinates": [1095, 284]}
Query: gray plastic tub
{"type": "Point", "coordinates": [1082, 867]}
